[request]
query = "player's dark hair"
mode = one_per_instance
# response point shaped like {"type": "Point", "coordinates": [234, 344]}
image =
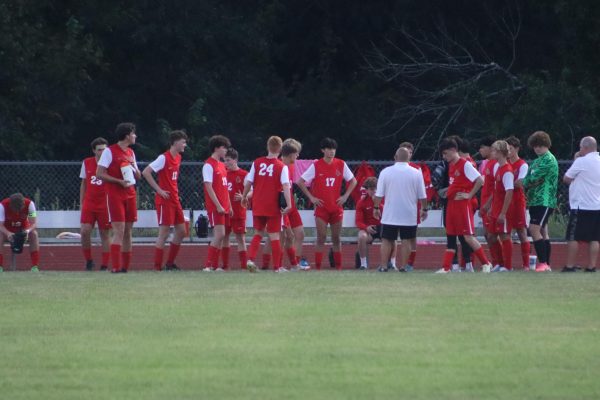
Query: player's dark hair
{"type": "Point", "coordinates": [328, 143]}
{"type": "Point", "coordinates": [232, 153]}
{"type": "Point", "coordinates": [16, 202]}
{"type": "Point", "coordinates": [124, 129]}
{"type": "Point", "coordinates": [447, 144]}
{"type": "Point", "coordinates": [177, 135]}
{"type": "Point", "coordinates": [370, 183]}
{"type": "Point", "coordinates": [487, 141]}
{"type": "Point", "coordinates": [217, 141]}
{"type": "Point", "coordinates": [513, 141]}
{"type": "Point", "coordinates": [464, 146]}
{"type": "Point", "coordinates": [539, 138]}
{"type": "Point", "coordinates": [98, 142]}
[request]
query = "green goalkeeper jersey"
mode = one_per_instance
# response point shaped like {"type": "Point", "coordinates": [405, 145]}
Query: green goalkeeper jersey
{"type": "Point", "coordinates": [541, 182]}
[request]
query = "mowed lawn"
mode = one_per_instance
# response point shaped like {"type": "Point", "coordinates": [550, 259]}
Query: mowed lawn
{"type": "Point", "coordinates": [310, 335]}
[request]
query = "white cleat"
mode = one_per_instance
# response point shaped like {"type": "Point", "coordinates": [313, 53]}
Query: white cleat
{"type": "Point", "coordinates": [442, 271]}
{"type": "Point", "coordinates": [281, 270]}
{"type": "Point", "coordinates": [469, 267]}
{"type": "Point", "coordinates": [219, 270]}
{"type": "Point", "coordinates": [207, 269]}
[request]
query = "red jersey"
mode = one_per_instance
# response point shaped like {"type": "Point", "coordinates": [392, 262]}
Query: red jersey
{"type": "Point", "coordinates": [364, 213]}
{"type": "Point", "coordinates": [488, 181]}
{"type": "Point", "coordinates": [16, 221]}
{"type": "Point", "coordinates": [501, 185]}
{"type": "Point", "coordinates": [113, 158]}
{"type": "Point", "coordinates": [518, 194]}
{"type": "Point", "coordinates": [291, 174]}
{"type": "Point", "coordinates": [215, 172]}
{"type": "Point", "coordinates": [474, 201]}
{"type": "Point", "coordinates": [167, 168]}
{"type": "Point", "coordinates": [461, 175]}
{"type": "Point", "coordinates": [95, 190]}
{"type": "Point", "coordinates": [267, 176]}
{"type": "Point", "coordinates": [327, 181]}
{"type": "Point", "coordinates": [235, 184]}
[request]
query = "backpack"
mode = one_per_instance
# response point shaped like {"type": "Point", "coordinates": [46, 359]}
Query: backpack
{"type": "Point", "coordinates": [201, 226]}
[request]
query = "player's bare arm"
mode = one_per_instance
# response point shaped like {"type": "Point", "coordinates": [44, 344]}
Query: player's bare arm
{"type": "Point", "coordinates": [147, 173]}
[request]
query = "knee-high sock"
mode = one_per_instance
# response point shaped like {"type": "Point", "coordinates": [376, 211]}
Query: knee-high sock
{"type": "Point", "coordinates": [525, 249]}
{"type": "Point", "coordinates": [266, 260]}
{"type": "Point", "coordinates": [337, 258]}
{"type": "Point", "coordinates": [412, 257]}
{"type": "Point", "coordinates": [291, 254]}
{"type": "Point", "coordinates": [480, 254]}
{"type": "Point", "coordinates": [87, 254]}
{"type": "Point", "coordinates": [225, 257]}
{"type": "Point", "coordinates": [254, 245]}
{"type": "Point", "coordinates": [507, 253]}
{"type": "Point", "coordinates": [448, 256]}
{"type": "Point", "coordinates": [173, 251]}
{"type": "Point", "coordinates": [35, 258]}
{"type": "Point", "coordinates": [548, 250]}
{"type": "Point", "coordinates": [318, 259]}
{"type": "Point", "coordinates": [115, 255]}
{"type": "Point", "coordinates": [243, 258]}
{"type": "Point", "coordinates": [276, 250]}
{"type": "Point", "coordinates": [540, 250]}
{"type": "Point", "coordinates": [105, 258]}
{"type": "Point", "coordinates": [126, 257]}
{"type": "Point", "coordinates": [158, 258]}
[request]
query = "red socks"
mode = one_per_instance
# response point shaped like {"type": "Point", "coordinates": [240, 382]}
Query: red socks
{"type": "Point", "coordinates": [525, 250]}
{"type": "Point", "coordinates": [87, 254]}
{"type": "Point", "coordinates": [481, 255]}
{"type": "Point", "coordinates": [337, 260]}
{"type": "Point", "coordinates": [158, 258]}
{"type": "Point", "coordinates": [35, 258]}
{"type": "Point", "coordinates": [318, 259]}
{"type": "Point", "coordinates": [412, 257]}
{"type": "Point", "coordinates": [225, 257]}
{"type": "Point", "coordinates": [291, 254]}
{"type": "Point", "coordinates": [254, 245]}
{"type": "Point", "coordinates": [105, 258]}
{"type": "Point", "coordinates": [276, 250]}
{"type": "Point", "coordinates": [266, 260]}
{"type": "Point", "coordinates": [448, 256]}
{"type": "Point", "coordinates": [212, 258]}
{"type": "Point", "coordinates": [126, 259]}
{"type": "Point", "coordinates": [115, 255]}
{"type": "Point", "coordinates": [243, 258]}
{"type": "Point", "coordinates": [496, 252]}
{"type": "Point", "coordinates": [173, 251]}
{"type": "Point", "coordinates": [507, 253]}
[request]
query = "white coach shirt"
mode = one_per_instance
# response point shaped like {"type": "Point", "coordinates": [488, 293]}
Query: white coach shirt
{"type": "Point", "coordinates": [402, 186]}
{"type": "Point", "coordinates": [584, 191]}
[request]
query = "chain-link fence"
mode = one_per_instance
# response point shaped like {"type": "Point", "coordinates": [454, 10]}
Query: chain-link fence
{"type": "Point", "coordinates": [54, 185]}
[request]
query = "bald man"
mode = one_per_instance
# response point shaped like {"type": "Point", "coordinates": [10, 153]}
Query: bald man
{"type": "Point", "coordinates": [583, 179]}
{"type": "Point", "coordinates": [402, 187]}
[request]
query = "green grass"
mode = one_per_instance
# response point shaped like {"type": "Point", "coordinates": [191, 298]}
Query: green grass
{"type": "Point", "coordinates": [299, 336]}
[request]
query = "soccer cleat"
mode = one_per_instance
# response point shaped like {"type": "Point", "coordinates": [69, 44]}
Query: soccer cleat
{"type": "Point", "coordinates": [455, 268]}
{"type": "Point", "coordinates": [499, 268]}
{"type": "Point", "coordinates": [442, 271]}
{"type": "Point", "coordinates": [219, 270]}
{"type": "Point", "coordinates": [115, 271]}
{"type": "Point", "coordinates": [250, 266]}
{"type": "Point", "coordinates": [158, 268]}
{"type": "Point", "coordinates": [568, 269]}
{"type": "Point", "coordinates": [363, 268]}
{"type": "Point", "coordinates": [543, 267]}
{"type": "Point", "coordinates": [172, 267]}
{"type": "Point", "coordinates": [392, 268]}
{"type": "Point", "coordinates": [124, 270]}
{"type": "Point", "coordinates": [469, 267]}
{"type": "Point", "coordinates": [281, 270]}
{"type": "Point", "coordinates": [89, 265]}
{"type": "Point", "coordinates": [103, 268]}
{"type": "Point", "coordinates": [590, 269]}
{"type": "Point", "coordinates": [409, 268]}
{"type": "Point", "coordinates": [486, 268]}
{"type": "Point", "coordinates": [208, 269]}
{"type": "Point", "coordinates": [304, 264]}
{"type": "Point", "coordinates": [382, 269]}
{"type": "Point", "coordinates": [35, 268]}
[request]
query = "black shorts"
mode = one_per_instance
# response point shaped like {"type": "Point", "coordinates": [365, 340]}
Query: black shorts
{"type": "Point", "coordinates": [583, 226]}
{"type": "Point", "coordinates": [390, 232]}
{"type": "Point", "coordinates": [539, 215]}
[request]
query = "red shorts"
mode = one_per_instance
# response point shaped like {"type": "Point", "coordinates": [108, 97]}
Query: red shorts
{"type": "Point", "coordinates": [91, 216]}
{"type": "Point", "coordinates": [329, 217]}
{"type": "Point", "coordinates": [273, 224]}
{"type": "Point", "coordinates": [485, 220]}
{"type": "Point", "coordinates": [292, 219]}
{"type": "Point", "coordinates": [495, 227]}
{"type": "Point", "coordinates": [215, 218]}
{"type": "Point", "coordinates": [459, 218]}
{"type": "Point", "coordinates": [517, 217]}
{"type": "Point", "coordinates": [122, 210]}
{"type": "Point", "coordinates": [236, 225]}
{"type": "Point", "coordinates": [169, 214]}
{"type": "Point", "coordinates": [15, 229]}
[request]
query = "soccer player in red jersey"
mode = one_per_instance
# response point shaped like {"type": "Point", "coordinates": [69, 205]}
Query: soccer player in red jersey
{"type": "Point", "coordinates": [92, 200]}
{"type": "Point", "coordinates": [269, 177]}
{"type": "Point", "coordinates": [369, 227]}
{"type": "Point", "coordinates": [518, 208]}
{"type": "Point", "coordinates": [118, 169]}
{"type": "Point", "coordinates": [293, 228]}
{"type": "Point", "coordinates": [237, 222]}
{"type": "Point", "coordinates": [487, 171]}
{"type": "Point", "coordinates": [168, 207]}
{"type": "Point", "coordinates": [326, 176]}
{"type": "Point", "coordinates": [18, 216]}
{"type": "Point", "coordinates": [498, 205]}
{"type": "Point", "coordinates": [216, 196]}
{"type": "Point", "coordinates": [464, 182]}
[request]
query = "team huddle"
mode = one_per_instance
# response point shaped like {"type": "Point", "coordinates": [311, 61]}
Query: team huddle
{"type": "Point", "coordinates": [390, 208]}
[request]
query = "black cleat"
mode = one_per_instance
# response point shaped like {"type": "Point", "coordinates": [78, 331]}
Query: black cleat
{"type": "Point", "coordinates": [590, 270]}
{"type": "Point", "coordinates": [568, 269]}
{"type": "Point", "coordinates": [89, 265]}
{"type": "Point", "coordinates": [172, 267]}
{"type": "Point", "coordinates": [103, 268]}
{"type": "Point", "coordinates": [123, 270]}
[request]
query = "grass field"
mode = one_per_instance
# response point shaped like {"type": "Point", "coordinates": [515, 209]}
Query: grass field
{"type": "Point", "coordinates": [299, 336]}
